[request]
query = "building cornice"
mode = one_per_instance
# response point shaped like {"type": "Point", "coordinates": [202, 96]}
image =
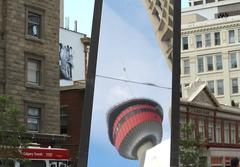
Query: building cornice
{"type": "Point", "coordinates": [209, 5]}
{"type": "Point", "coordinates": [210, 25]}
{"type": "Point", "coordinates": [221, 108]}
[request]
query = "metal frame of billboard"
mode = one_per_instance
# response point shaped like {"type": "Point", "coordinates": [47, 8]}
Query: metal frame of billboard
{"type": "Point", "coordinates": [89, 92]}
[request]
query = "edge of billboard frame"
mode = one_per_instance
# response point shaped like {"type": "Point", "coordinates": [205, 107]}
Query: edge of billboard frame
{"type": "Point", "coordinates": [175, 132]}
{"type": "Point", "coordinates": [90, 84]}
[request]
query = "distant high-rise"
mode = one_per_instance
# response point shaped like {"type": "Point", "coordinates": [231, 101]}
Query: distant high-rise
{"type": "Point", "coordinates": [161, 16]}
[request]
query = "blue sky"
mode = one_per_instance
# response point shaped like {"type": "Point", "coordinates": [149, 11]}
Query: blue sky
{"type": "Point", "coordinates": [82, 11]}
{"type": "Point", "coordinates": [184, 3]}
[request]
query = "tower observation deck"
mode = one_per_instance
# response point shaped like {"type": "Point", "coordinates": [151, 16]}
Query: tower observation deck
{"type": "Point", "coordinates": [134, 127]}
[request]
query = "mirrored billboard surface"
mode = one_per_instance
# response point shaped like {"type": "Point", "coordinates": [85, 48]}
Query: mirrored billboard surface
{"type": "Point", "coordinates": [132, 96]}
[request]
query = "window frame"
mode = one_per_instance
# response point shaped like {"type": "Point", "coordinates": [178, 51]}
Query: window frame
{"type": "Point", "coordinates": [201, 129]}
{"type": "Point", "coordinates": [40, 106]}
{"type": "Point", "coordinates": [211, 126]}
{"type": "Point", "coordinates": [238, 35]}
{"type": "Point", "coordinates": [203, 70]}
{"type": "Point", "coordinates": [208, 40]}
{"type": "Point", "coordinates": [220, 80]}
{"type": "Point", "coordinates": [226, 129]}
{"type": "Point", "coordinates": [212, 89]}
{"type": "Point", "coordinates": [234, 37]}
{"type": "Point", "coordinates": [66, 116]}
{"type": "Point", "coordinates": [183, 44]}
{"type": "Point", "coordinates": [218, 128]}
{"type": "Point", "coordinates": [233, 137]}
{"type": "Point", "coordinates": [215, 43]}
{"type": "Point", "coordinates": [232, 86]}
{"type": "Point", "coordinates": [41, 60]}
{"type": "Point", "coordinates": [186, 69]}
{"type": "Point", "coordinates": [212, 65]}
{"type": "Point", "coordinates": [216, 62]}
{"type": "Point", "coordinates": [231, 54]}
{"type": "Point", "coordinates": [37, 71]}
{"type": "Point", "coordinates": [41, 13]}
{"type": "Point", "coordinates": [201, 41]}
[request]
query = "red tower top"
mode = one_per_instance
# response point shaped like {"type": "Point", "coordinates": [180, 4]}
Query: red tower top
{"type": "Point", "coordinates": [133, 123]}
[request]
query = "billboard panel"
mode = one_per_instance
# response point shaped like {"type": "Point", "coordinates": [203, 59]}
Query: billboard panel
{"type": "Point", "coordinates": [71, 57]}
{"type": "Point", "coordinates": [131, 87]}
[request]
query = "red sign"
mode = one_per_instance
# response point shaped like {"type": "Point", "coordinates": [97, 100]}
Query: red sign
{"type": "Point", "coordinates": [45, 153]}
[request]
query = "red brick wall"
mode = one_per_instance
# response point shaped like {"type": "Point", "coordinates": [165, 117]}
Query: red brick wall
{"type": "Point", "coordinates": [73, 100]}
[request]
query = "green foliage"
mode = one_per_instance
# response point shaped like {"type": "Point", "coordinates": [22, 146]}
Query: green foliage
{"type": "Point", "coordinates": [190, 147]}
{"type": "Point", "coordinates": [11, 131]}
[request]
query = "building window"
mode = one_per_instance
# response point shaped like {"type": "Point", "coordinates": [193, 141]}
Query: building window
{"type": "Point", "coordinates": [201, 130]}
{"type": "Point", "coordinates": [218, 132]}
{"type": "Point", "coordinates": [210, 131]}
{"type": "Point", "coordinates": [157, 15]}
{"type": "Point", "coordinates": [200, 64]}
{"type": "Point", "coordinates": [208, 40]}
{"type": "Point", "coordinates": [238, 133]}
{"type": "Point", "coordinates": [198, 3]}
{"type": "Point", "coordinates": [182, 123]}
{"type": "Point", "coordinates": [186, 65]}
{"type": "Point", "coordinates": [238, 35]}
{"type": "Point", "coordinates": [219, 62]}
{"type": "Point", "coordinates": [33, 71]}
{"type": "Point", "coordinates": [34, 24]}
{"type": "Point", "coordinates": [220, 87]}
{"type": "Point", "coordinates": [33, 119]}
{"type": "Point", "coordinates": [234, 85]}
{"type": "Point", "coordinates": [210, 1]}
{"type": "Point", "coordinates": [231, 36]}
{"type": "Point", "coordinates": [192, 121]}
{"type": "Point", "coordinates": [217, 161]}
{"type": "Point", "coordinates": [233, 59]}
{"type": "Point", "coordinates": [63, 120]}
{"type": "Point", "coordinates": [185, 43]}
{"type": "Point", "coordinates": [217, 39]}
{"type": "Point", "coordinates": [198, 41]}
{"type": "Point", "coordinates": [209, 63]}
{"type": "Point", "coordinates": [226, 132]}
{"type": "Point", "coordinates": [233, 133]}
{"type": "Point", "coordinates": [210, 85]}
{"type": "Point", "coordinates": [158, 3]}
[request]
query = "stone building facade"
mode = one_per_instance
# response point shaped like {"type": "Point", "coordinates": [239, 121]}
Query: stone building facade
{"type": "Point", "coordinates": [29, 63]}
{"type": "Point", "coordinates": [210, 49]}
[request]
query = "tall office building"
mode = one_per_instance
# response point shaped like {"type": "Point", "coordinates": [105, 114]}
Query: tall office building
{"type": "Point", "coordinates": [161, 16]}
{"type": "Point", "coordinates": [29, 64]}
{"type": "Point", "coordinates": [210, 48]}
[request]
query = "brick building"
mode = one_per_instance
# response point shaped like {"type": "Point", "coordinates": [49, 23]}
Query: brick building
{"type": "Point", "coordinates": [216, 125]}
{"type": "Point", "coordinates": [29, 64]}
{"type": "Point", "coordinates": [72, 99]}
